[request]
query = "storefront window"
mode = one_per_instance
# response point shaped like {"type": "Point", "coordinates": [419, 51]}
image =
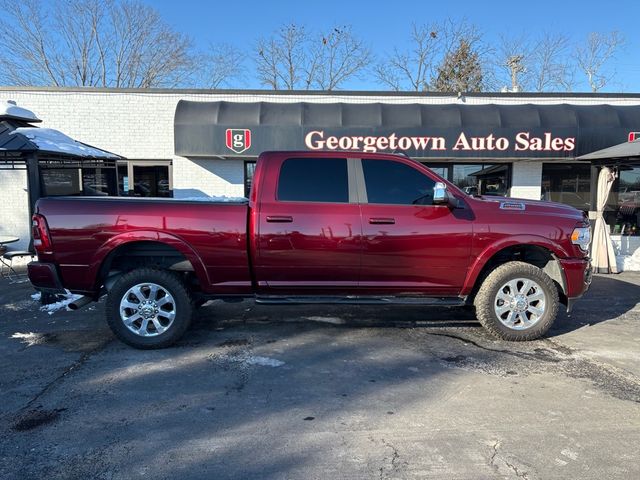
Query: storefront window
{"type": "Point", "coordinates": [60, 181]}
{"type": "Point", "coordinates": [567, 183]}
{"type": "Point", "coordinates": [123, 180]}
{"type": "Point", "coordinates": [476, 178]}
{"type": "Point", "coordinates": [98, 181]}
{"type": "Point", "coordinates": [622, 212]}
{"type": "Point", "coordinates": [149, 181]}
{"type": "Point", "coordinates": [249, 170]}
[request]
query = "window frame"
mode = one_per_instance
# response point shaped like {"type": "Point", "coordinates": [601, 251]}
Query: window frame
{"type": "Point", "coordinates": [362, 187]}
{"type": "Point", "coordinates": [352, 195]}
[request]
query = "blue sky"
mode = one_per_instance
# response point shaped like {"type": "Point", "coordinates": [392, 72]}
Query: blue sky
{"type": "Point", "coordinates": [386, 24]}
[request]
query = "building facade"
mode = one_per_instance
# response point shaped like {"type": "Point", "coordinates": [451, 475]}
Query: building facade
{"type": "Point", "coordinates": [186, 143]}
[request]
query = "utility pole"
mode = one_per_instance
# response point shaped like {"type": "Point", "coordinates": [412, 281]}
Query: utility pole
{"type": "Point", "coordinates": [514, 63]}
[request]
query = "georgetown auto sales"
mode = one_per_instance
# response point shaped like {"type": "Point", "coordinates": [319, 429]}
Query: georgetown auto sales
{"type": "Point", "coordinates": [522, 141]}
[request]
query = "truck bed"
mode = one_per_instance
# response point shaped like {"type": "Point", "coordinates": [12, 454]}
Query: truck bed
{"type": "Point", "coordinates": [211, 234]}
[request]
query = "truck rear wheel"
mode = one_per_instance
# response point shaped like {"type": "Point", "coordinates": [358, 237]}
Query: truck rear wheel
{"type": "Point", "coordinates": [149, 308]}
{"type": "Point", "coordinates": [517, 302]}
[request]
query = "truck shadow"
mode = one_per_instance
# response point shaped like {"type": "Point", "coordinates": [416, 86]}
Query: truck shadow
{"type": "Point", "coordinates": [609, 297]}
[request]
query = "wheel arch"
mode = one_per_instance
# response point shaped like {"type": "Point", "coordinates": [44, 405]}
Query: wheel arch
{"type": "Point", "coordinates": [542, 254]}
{"type": "Point", "coordinates": [146, 249]}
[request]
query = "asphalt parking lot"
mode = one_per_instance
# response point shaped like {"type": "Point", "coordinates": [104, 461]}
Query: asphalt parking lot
{"type": "Point", "coordinates": [257, 392]}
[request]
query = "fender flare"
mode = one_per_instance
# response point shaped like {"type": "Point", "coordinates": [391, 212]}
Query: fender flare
{"type": "Point", "coordinates": [146, 236]}
{"type": "Point", "coordinates": [490, 251]}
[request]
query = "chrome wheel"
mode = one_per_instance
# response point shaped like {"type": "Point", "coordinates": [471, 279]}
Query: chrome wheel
{"type": "Point", "coordinates": [520, 303]}
{"type": "Point", "coordinates": [147, 309]}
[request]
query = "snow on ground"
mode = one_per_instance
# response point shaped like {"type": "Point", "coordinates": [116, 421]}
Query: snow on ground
{"type": "Point", "coordinates": [59, 305]}
{"type": "Point", "coordinates": [29, 339]}
{"type": "Point", "coordinates": [245, 360]}
{"type": "Point", "coordinates": [263, 361]}
{"type": "Point", "coordinates": [36, 296]}
{"type": "Point", "coordinates": [51, 140]}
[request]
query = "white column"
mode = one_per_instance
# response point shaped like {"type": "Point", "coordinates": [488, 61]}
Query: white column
{"type": "Point", "coordinates": [526, 179]}
{"type": "Point", "coordinates": [14, 208]}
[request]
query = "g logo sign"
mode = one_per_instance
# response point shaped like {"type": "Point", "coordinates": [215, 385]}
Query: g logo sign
{"type": "Point", "coordinates": [238, 139]}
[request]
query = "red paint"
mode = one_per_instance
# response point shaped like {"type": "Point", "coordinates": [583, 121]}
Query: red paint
{"type": "Point", "coordinates": [274, 247]}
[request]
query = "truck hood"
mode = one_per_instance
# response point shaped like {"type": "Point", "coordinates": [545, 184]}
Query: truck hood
{"type": "Point", "coordinates": [522, 205]}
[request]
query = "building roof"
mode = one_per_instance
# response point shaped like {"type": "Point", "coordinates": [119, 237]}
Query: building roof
{"type": "Point", "coordinates": [621, 151]}
{"type": "Point", "coordinates": [332, 93]}
{"type": "Point", "coordinates": [19, 136]}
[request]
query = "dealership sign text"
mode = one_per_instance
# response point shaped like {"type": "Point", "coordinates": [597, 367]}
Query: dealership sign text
{"type": "Point", "coordinates": [522, 141]}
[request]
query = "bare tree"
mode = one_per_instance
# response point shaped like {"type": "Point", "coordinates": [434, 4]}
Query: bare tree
{"type": "Point", "coordinates": [512, 63]}
{"type": "Point", "coordinates": [294, 58]}
{"type": "Point", "coordinates": [220, 65]}
{"type": "Point", "coordinates": [104, 43]}
{"type": "Point", "coordinates": [595, 54]}
{"type": "Point", "coordinates": [337, 57]}
{"type": "Point", "coordinates": [417, 67]}
{"type": "Point", "coordinates": [411, 69]}
{"type": "Point", "coordinates": [543, 64]}
{"type": "Point", "coordinates": [551, 64]}
{"type": "Point", "coordinates": [282, 60]}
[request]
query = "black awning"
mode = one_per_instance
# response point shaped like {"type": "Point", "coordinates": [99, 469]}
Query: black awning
{"type": "Point", "coordinates": [237, 129]}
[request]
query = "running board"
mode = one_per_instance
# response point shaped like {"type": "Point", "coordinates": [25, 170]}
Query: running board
{"type": "Point", "coordinates": [360, 300]}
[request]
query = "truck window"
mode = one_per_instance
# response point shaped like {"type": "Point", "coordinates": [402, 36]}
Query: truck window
{"type": "Point", "coordinates": [396, 183]}
{"type": "Point", "coordinates": [314, 180]}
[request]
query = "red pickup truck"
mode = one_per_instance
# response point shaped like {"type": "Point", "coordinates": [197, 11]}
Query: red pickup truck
{"type": "Point", "coordinates": [319, 227]}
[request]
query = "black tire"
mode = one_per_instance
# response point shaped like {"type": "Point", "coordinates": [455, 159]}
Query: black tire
{"type": "Point", "coordinates": [487, 301]}
{"type": "Point", "coordinates": [181, 306]}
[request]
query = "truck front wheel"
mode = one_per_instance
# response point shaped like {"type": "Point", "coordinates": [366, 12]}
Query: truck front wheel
{"type": "Point", "coordinates": [149, 308]}
{"type": "Point", "coordinates": [517, 302]}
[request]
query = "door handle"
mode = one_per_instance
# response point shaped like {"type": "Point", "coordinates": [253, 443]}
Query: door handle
{"type": "Point", "coordinates": [382, 221]}
{"type": "Point", "coordinates": [279, 219]}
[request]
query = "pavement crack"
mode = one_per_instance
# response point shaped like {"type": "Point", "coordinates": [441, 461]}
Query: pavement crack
{"type": "Point", "coordinates": [522, 355]}
{"type": "Point", "coordinates": [492, 459]}
{"type": "Point", "coordinates": [393, 461]}
{"type": "Point", "coordinates": [496, 460]}
{"type": "Point", "coordinates": [70, 368]}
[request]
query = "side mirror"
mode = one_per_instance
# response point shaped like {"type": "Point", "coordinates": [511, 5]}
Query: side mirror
{"type": "Point", "coordinates": [440, 194]}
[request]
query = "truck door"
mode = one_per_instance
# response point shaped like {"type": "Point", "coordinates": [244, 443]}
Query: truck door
{"type": "Point", "coordinates": [410, 245]}
{"type": "Point", "coordinates": [309, 228]}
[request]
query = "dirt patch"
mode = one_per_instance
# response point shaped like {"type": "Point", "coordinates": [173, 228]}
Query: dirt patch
{"type": "Point", "coordinates": [235, 342]}
{"type": "Point", "coordinates": [35, 418]}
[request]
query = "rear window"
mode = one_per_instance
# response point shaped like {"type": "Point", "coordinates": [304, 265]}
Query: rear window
{"type": "Point", "coordinates": [314, 180]}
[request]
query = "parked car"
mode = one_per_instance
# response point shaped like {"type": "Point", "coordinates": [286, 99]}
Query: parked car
{"type": "Point", "coordinates": [319, 227]}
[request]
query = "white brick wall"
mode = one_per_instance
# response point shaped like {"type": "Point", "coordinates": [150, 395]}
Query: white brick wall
{"type": "Point", "coordinates": [14, 208]}
{"type": "Point", "coordinates": [526, 179]}
{"type": "Point", "coordinates": [193, 178]}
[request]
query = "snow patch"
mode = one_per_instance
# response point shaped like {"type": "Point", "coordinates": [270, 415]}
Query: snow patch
{"type": "Point", "coordinates": [263, 361]}
{"type": "Point", "coordinates": [246, 360]}
{"type": "Point", "coordinates": [36, 296]}
{"type": "Point", "coordinates": [51, 140]}
{"type": "Point", "coordinates": [29, 339]}
{"type": "Point", "coordinates": [60, 305]}
{"type": "Point", "coordinates": [10, 109]}
{"type": "Point", "coordinates": [332, 320]}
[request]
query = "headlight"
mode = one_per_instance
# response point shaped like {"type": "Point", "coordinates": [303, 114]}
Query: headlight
{"type": "Point", "coordinates": [581, 236]}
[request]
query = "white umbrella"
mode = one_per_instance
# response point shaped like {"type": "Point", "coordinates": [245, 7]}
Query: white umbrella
{"type": "Point", "coordinates": [602, 255]}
